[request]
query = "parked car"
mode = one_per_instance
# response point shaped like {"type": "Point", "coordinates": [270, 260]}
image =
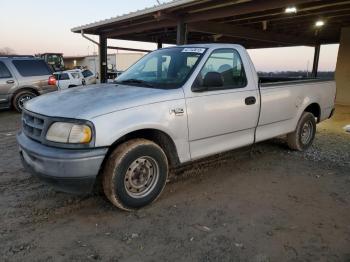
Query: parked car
{"type": "Point", "coordinates": [175, 105]}
{"type": "Point", "coordinates": [89, 77]}
{"type": "Point", "coordinates": [23, 78]}
{"type": "Point", "coordinates": [69, 78]}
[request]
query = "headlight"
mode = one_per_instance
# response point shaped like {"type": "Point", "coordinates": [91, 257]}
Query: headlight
{"type": "Point", "coordinates": [71, 133]}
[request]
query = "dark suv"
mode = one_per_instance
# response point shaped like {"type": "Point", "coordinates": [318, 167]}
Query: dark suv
{"type": "Point", "coordinates": [23, 78]}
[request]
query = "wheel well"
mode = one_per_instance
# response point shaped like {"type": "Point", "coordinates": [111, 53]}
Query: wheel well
{"type": "Point", "coordinates": [314, 109]}
{"type": "Point", "coordinates": [159, 137]}
{"type": "Point", "coordinates": [24, 89]}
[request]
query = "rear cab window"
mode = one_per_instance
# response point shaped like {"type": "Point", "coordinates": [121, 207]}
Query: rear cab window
{"type": "Point", "coordinates": [27, 68]}
{"type": "Point", "coordinates": [4, 71]}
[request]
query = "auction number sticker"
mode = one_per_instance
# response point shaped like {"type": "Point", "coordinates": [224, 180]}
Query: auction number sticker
{"type": "Point", "coordinates": [194, 50]}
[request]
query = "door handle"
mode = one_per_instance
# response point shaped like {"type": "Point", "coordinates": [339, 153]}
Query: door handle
{"type": "Point", "coordinates": [10, 81]}
{"type": "Point", "coordinates": [251, 100]}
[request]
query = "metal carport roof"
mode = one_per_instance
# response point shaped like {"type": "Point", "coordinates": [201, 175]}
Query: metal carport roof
{"type": "Point", "coordinates": [252, 23]}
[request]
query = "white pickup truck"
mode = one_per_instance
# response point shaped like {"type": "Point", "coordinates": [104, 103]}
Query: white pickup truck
{"type": "Point", "coordinates": [173, 106]}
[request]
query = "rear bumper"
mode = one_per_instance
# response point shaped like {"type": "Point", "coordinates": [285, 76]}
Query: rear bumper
{"type": "Point", "coordinates": [68, 170]}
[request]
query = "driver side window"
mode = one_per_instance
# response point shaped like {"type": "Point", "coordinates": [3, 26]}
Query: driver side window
{"type": "Point", "coordinates": [226, 68]}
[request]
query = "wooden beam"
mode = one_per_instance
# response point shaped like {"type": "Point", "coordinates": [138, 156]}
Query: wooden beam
{"type": "Point", "coordinates": [241, 9]}
{"type": "Point", "coordinates": [129, 49]}
{"type": "Point", "coordinates": [302, 11]}
{"type": "Point", "coordinates": [136, 29]}
{"type": "Point", "coordinates": [247, 33]}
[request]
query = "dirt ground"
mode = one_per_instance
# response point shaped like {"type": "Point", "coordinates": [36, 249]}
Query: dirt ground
{"type": "Point", "coordinates": [273, 205]}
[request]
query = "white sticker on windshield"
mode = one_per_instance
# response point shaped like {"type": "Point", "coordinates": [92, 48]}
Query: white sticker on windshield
{"type": "Point", "coordinates": [194, 50]}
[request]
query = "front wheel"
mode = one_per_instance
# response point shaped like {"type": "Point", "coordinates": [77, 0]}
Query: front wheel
{"type": "Point", "coordinates": [135, 174]}
{"type": "Point", "coordinates": [303, 136]}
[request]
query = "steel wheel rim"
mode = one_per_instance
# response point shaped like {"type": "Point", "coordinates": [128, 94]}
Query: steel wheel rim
{"type": "Point", "coordinates": [24, 99]}
{"type": "Point", "coordinates": [306, 132]}
{"type": "Point", "coordinates": [141, 177]}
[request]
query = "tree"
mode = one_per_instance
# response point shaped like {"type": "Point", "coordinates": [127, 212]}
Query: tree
{"type": "Point", "coordinates": [7, 51]}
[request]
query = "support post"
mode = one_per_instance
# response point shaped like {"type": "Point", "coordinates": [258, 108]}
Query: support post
{"type": "Point", "coordinates": [103, 59]}
{"type": "Point", "coordinates": [316, 60]}
{"type": "Point", "coordinates": [181, 37]}
{"type": "Point", "coordinates": [159, 44]}
{"type": "Point", "coordinates": [342, 75]}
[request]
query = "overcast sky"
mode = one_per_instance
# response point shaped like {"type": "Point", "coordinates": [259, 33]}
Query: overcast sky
{"type": "Point", "coordinates": [30, 27]}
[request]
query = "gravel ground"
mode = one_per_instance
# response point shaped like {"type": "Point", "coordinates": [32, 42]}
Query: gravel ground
{"type": "Point", "coordinates": [272, 205]}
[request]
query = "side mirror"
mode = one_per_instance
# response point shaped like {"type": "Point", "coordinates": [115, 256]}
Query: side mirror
{"type": "Point", "coordinates": [213, 79]}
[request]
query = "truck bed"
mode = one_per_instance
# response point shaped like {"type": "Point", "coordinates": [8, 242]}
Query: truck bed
{"type": "Point", "coordinates": [282, 103]}
{"type": "Point", "coordinates": [272, 81]}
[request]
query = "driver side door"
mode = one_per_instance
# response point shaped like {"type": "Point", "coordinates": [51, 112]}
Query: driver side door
{"type": "Point", "coordinates": [219, 117]}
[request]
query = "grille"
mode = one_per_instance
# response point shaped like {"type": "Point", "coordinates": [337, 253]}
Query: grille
{"type": "Point", "coordinates": [32, 125]}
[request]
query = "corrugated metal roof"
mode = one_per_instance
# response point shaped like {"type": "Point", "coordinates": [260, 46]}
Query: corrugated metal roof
{"type": "Point", "coordinates": [149, 10]}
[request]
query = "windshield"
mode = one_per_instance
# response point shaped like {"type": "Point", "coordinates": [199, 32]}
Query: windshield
{"type": "Point", "coordinates": [165, 68]}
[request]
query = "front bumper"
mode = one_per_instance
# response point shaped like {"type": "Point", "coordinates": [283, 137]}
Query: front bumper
{"type": "Point", "coordinates": [68, 170]}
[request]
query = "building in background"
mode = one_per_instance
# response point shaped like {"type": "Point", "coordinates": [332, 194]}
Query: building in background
{"type": "Point", "coordinates": [116, 62]}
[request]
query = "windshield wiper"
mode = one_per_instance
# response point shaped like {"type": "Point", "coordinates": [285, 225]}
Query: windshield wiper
{"type": "Point", "coordinates": [136, 81]}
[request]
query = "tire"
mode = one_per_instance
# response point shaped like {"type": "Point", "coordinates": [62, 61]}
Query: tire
{"type": "Point", "coordinates": [135, 174]}
{"type": "Point", "coordinates": [303, 136]}
{"type": "Point", "coordinates": [21, 97]}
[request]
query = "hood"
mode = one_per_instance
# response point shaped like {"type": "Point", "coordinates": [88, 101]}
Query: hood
{"type": "Point", "coordinates": [88, 102]}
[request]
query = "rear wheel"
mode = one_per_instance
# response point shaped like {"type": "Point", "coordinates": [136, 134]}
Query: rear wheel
{"type": "Point", "coordinates": [302, 138]}
{"type": "Point", "coordinates": [135, 174]}
{"type": "Point", "coordinates": [21, 97]}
